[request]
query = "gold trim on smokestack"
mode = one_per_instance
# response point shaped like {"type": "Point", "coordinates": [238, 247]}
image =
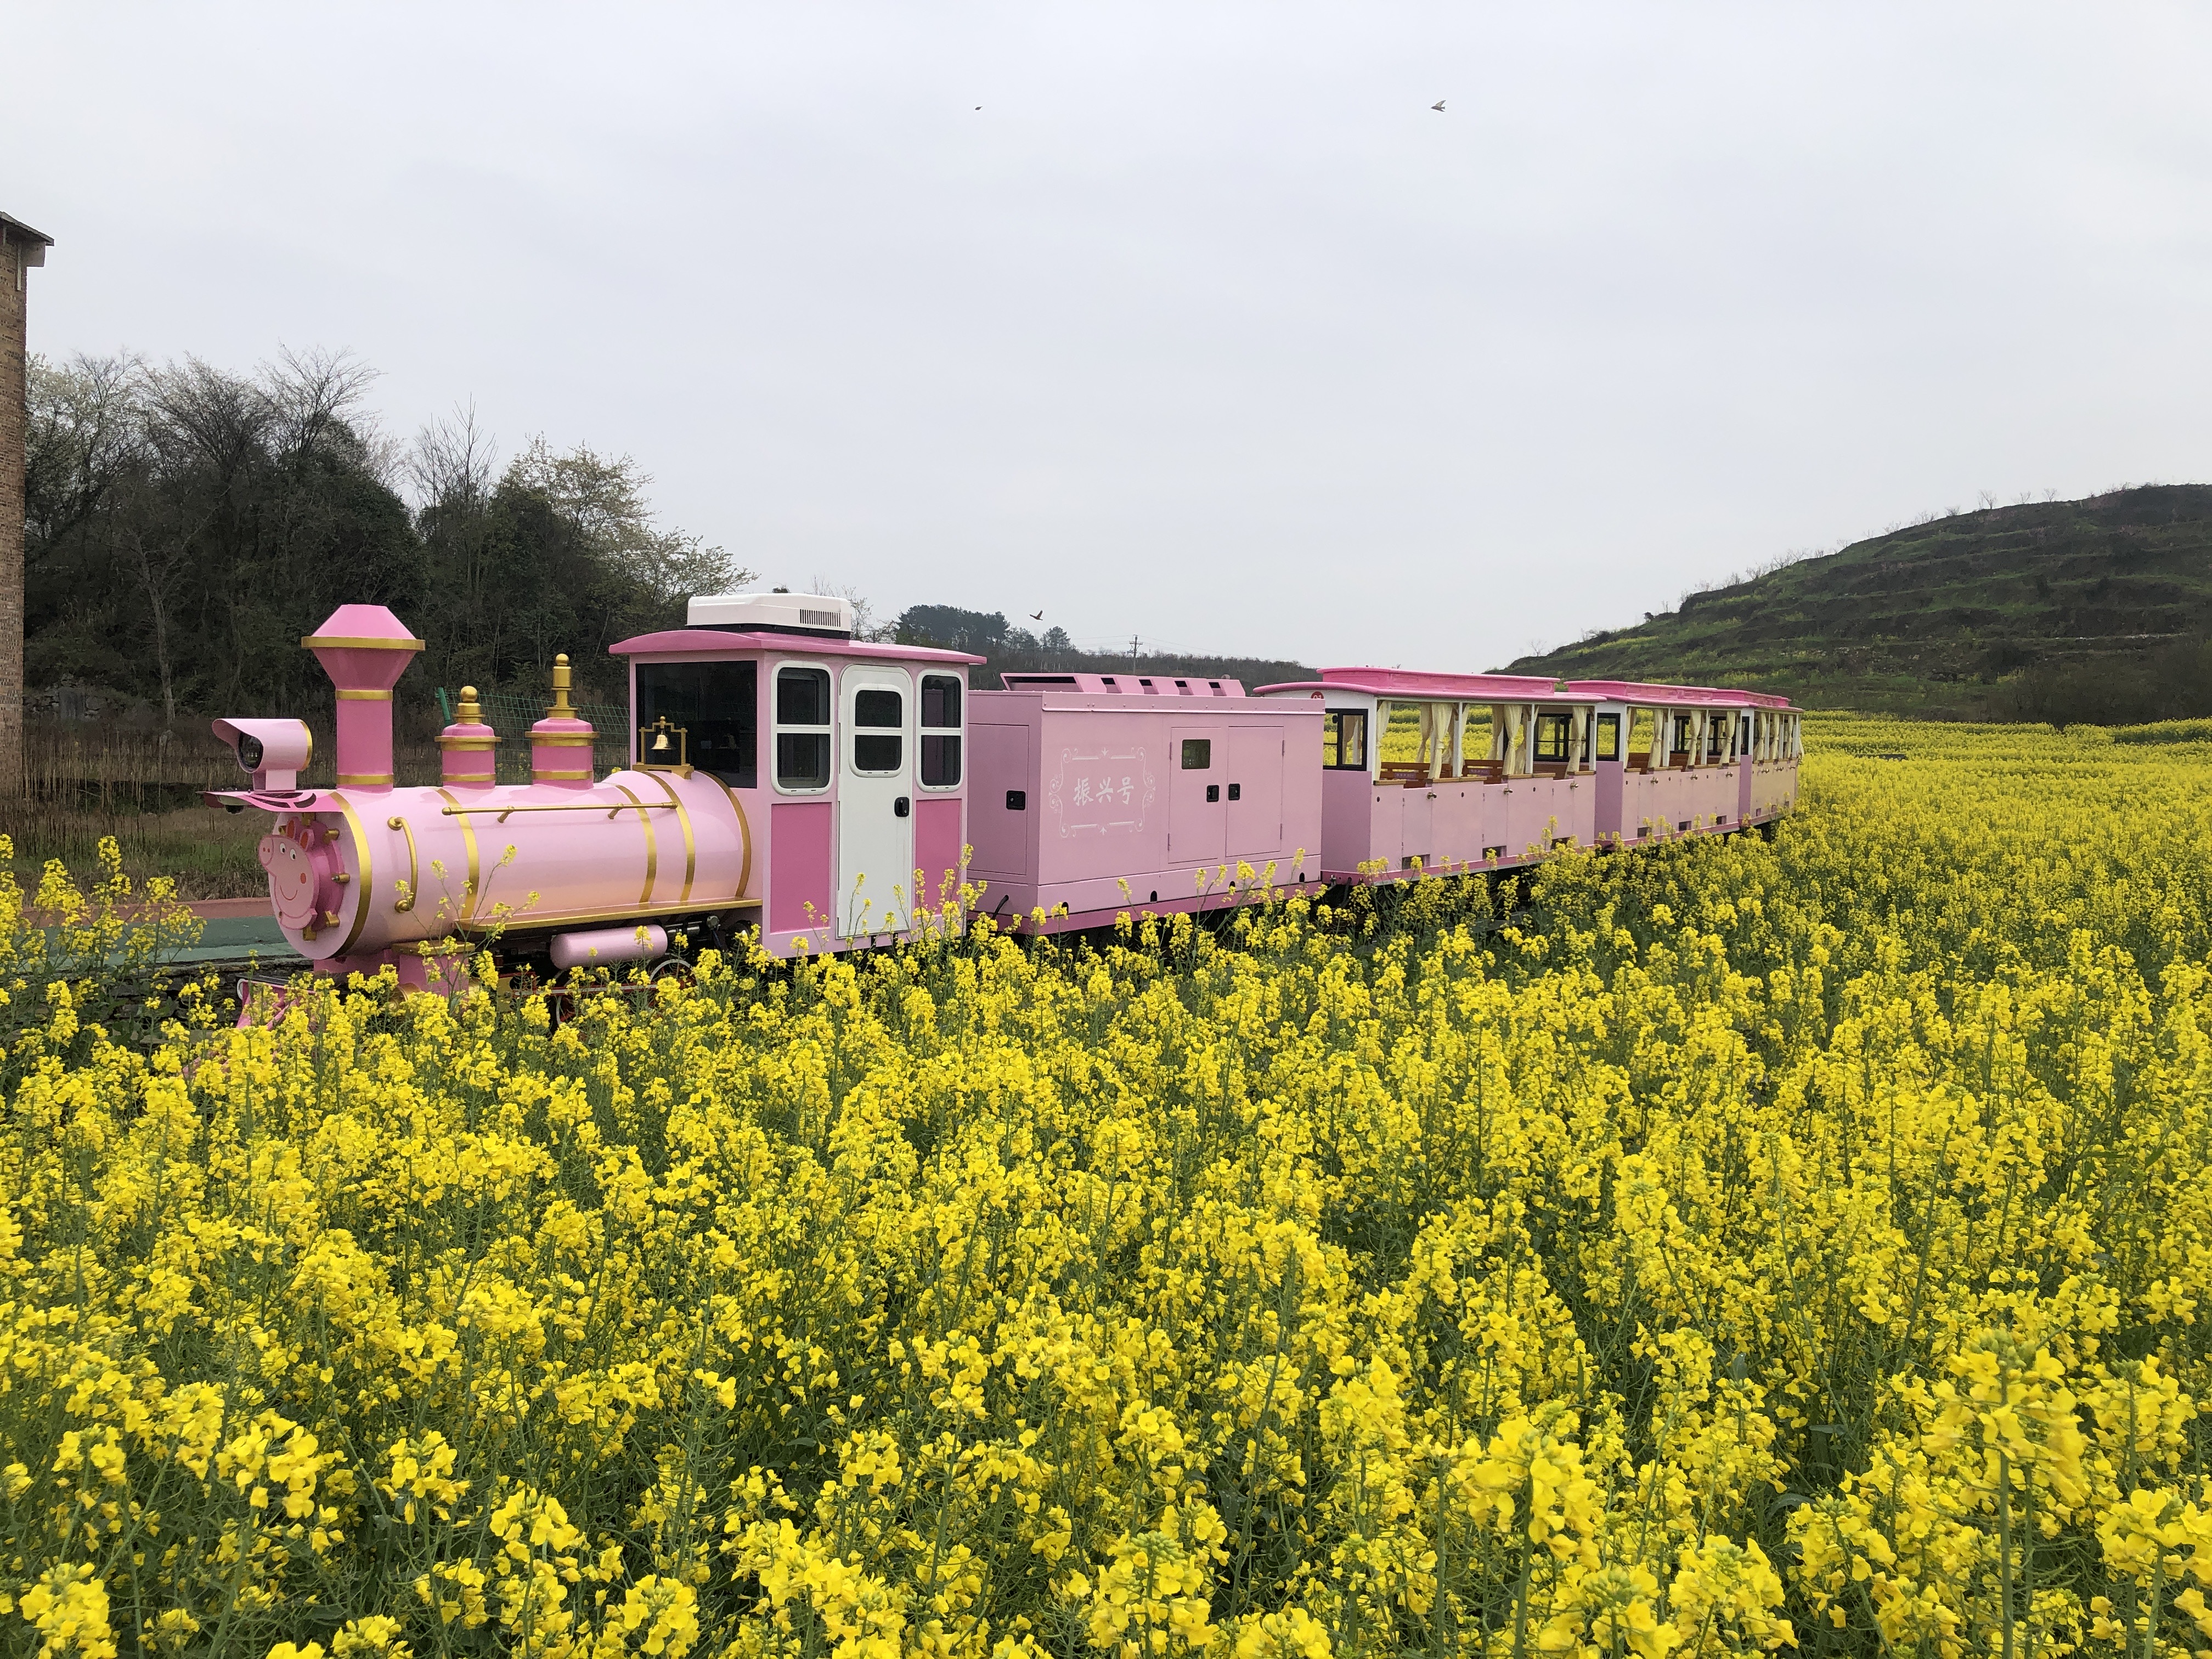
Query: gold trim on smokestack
{"type": "Point", "coordinates": [350, 642]}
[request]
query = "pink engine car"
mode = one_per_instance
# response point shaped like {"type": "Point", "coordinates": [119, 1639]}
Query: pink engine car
{"type": "Point", "coordinates": [782, 775]}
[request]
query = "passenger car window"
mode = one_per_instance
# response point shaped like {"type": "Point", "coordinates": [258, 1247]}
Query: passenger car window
{"type": "Point", "coordinates": [1344, 739]}
{"type": "Point", "coordinates": [1608, 737]}
{"type": "Point", "coordinates": [1474, 739]}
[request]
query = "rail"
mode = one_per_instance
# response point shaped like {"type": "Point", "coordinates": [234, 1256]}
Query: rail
{"type": "Point", "coordinates": [561, 806]}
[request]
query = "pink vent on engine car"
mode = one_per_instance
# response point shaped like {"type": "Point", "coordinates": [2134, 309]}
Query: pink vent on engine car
{"type": "Point", "coordinates": [1125, 685]}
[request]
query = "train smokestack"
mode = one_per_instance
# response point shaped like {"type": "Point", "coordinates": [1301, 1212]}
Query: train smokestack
{"type": "Point", "coordinates": [468, 756]}
{"type": "Point", "coordinates": [560, 744]}
{"type": "Point", "coordinates": [364, 648]}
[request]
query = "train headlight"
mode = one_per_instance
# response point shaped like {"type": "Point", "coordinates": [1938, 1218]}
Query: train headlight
{"type": "Point", "coordinates": [273, 752]}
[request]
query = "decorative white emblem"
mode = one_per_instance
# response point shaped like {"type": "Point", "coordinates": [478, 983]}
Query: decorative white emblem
{"type": "Point", "coordinates": [1102, 792]}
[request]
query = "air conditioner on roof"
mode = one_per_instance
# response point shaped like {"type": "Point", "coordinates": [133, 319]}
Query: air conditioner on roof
{"type": "Point", "coordinates": [779, 613]}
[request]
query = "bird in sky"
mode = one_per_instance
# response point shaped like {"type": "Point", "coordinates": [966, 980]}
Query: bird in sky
{"type": "Point", "coordinates": [1036, 616]}
{"type": "Point", "coordinates": [1439, 105]}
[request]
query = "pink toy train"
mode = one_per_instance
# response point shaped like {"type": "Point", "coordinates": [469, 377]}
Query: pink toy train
{"type": "Point", "coordinates": [834, 792]}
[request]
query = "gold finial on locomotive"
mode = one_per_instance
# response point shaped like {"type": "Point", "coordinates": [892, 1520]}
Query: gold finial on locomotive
{"type": "Point", "coordinates": [561, 710]}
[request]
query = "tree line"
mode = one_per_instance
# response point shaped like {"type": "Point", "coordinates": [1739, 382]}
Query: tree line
{"type": "Point", "coordinates": [185, 525]}
{"type": "Point", "coordinates": [984, 632]}
{"type": "Point", "coordinates": [2173, 681]}
{"type": "Point", "coordinates": [1014, 650]}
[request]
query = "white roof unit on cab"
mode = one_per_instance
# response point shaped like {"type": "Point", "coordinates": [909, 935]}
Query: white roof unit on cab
{"type": "Point", "coordinates": [773, 613]}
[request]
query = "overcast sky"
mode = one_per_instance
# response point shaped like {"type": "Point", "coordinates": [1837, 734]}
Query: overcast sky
{"type": "Point", "coordinates": [1205, 326]}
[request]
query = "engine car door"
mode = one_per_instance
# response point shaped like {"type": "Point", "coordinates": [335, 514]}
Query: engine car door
{"type": "Point", "coordinates": [875, 802]}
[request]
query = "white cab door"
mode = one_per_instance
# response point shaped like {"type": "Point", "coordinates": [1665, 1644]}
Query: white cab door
{"type": "Point", "coordinates": [875, 802]}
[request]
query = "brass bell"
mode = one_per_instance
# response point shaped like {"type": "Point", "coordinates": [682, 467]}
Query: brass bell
{"type": "Point", "coordinates": [661, 738]}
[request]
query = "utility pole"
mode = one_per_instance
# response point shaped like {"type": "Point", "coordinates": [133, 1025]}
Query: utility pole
{"type": "Point", "coordinates": [21, 247]}
{"type": "Point", "coordinates": [1133, 653]}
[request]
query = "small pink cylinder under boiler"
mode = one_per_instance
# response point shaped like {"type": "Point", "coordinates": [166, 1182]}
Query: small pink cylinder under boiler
{"type": "Point", "coordinates": [597, 947]}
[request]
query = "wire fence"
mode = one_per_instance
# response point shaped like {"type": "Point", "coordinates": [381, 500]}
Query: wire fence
{"type": "Point", "coordinates": [512, 713]}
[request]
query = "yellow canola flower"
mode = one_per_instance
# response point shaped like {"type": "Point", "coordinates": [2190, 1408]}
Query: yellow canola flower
{"type": "Point", "coordinates": [1752, 1243]}
{"type": "Point", "coordinates": [1292, 1633]}
{"type": "Point", "coordinates": [68, 1609]}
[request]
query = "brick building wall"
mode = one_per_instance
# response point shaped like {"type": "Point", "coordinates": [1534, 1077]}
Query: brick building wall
{"type": "Point", "coordinates": [20, 249]}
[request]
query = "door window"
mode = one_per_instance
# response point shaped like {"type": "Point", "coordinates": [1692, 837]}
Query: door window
{"type": "Point", "coordinates": [1197, 754]}
{"type": "Point", "coordinates": [940, 730]}
{"type": "Point", "coordinates": [803, 729]}
{"type": "Point", "coordinates": [1608, 737]}
{"type": "Point", "coordinates": [879, 730]}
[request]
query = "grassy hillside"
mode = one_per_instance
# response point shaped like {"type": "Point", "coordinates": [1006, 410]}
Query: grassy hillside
{"type": "Point", "coordinates": [2088, 610]}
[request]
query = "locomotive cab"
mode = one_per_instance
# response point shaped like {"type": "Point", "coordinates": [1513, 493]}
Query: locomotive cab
{"type": "Point", "coordinates": [848, 757]}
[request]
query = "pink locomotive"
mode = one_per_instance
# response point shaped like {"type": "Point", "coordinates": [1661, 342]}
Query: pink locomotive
{"type": "Point", "coordinates": [834, 792]}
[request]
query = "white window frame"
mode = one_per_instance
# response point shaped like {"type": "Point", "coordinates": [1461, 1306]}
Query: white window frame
{"type": "Point", "coordinates": [909, 711]}
{"type": "Point", "coordinates": [777, 728]}
{"type": "Point", "coordinates": [920, 674]}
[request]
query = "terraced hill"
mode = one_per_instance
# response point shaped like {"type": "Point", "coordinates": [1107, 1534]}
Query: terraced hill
{"type": "Point", "coordinates": [2095, 609]}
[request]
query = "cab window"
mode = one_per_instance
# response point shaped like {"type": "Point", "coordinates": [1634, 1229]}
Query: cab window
{"type": "Point", "coordinates": [802, 728]}
{"type": "Point", "coordinates": [940, 730]}
{"type": "Point", "coordinates": [713, 709]}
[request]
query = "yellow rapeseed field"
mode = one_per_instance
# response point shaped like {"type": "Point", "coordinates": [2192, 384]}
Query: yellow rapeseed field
{"type": "Point", "coordinates": [1741, 1247]}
